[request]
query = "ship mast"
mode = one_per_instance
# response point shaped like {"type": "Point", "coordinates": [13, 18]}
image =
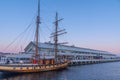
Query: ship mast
{"type": "Point", "coordinates": [56, 34]}
{"type": "Point", "coordinates": [37, 28]}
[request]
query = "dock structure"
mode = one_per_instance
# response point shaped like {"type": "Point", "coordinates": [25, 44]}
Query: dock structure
{"type": "Point", "coordinates": [77, 59]}
{"type": "Point", "coordinates": [76, 55]}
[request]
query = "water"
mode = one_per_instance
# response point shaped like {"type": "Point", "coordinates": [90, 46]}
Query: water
{"type": "Point", "coordinates": [104, 71]}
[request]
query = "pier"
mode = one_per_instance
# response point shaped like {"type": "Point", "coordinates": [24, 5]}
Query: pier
{"type": "Point", "coordinates": [86, 62]}
{"type": "Point", "coordinates": [77, 59]}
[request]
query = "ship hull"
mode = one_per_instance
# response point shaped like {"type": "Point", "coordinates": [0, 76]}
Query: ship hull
{"type": "Point", "coordinates": [31, 68]}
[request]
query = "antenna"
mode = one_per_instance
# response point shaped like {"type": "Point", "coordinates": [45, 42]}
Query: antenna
{"type": "Point", "coordinates": [21, 48]}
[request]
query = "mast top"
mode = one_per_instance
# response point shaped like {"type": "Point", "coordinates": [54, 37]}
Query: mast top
{"type": "Point", "coordinates": [38, 12]}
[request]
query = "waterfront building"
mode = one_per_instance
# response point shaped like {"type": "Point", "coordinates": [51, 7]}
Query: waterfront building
{"type": "Point", "coordinates": [76, 55]}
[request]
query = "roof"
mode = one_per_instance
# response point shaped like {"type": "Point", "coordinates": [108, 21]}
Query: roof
{"type": "Point", "coordinates": [66, 47]}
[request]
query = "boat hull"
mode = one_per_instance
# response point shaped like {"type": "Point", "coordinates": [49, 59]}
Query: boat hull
{"type": "Point", "coordinates": [30, 68]}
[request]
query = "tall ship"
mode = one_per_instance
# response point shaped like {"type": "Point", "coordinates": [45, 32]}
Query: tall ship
{"type": "Point", "coordinates": [38, 64]}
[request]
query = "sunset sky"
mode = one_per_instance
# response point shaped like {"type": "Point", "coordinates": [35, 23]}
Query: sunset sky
{"type": "Point", "coordinates": [91, 24]}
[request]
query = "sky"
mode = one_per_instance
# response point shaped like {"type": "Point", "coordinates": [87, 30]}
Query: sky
{"type": "Point", "coordinates": [90, 24]}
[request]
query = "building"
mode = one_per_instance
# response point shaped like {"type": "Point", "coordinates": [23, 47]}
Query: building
{"type": "Point", "coordinates": [76, 55]}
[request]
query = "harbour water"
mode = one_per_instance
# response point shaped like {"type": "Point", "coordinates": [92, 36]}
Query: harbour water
{"type": "Point", "coordinates": [102, 71]}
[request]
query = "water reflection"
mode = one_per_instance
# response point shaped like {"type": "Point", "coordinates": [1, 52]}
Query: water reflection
{"type": "Point", "coordinates": [51, 75]}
